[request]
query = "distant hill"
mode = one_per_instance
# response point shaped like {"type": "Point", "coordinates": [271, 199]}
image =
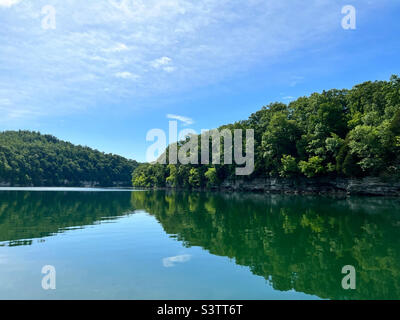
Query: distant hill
{"type": "Point", "coordinates": [33, 159]}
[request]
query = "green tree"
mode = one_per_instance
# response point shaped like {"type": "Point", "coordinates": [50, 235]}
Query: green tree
{"type": "Point", "coordinates": [312, 167]}
{"type": "Point", "coordinates": [289, 166]}
{"type": "Point", "coordinates": [367, 143]}
{"type": "Point", "coordinates": [194, 178]}
{"type": "Point", "coordinates": [211, 177]}
{"type": "Point", "coordinates": [279, 139]}
{"type": "Point", "coordinates": [172, 179]}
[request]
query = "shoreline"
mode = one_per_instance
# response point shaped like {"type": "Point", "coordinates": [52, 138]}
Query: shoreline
{"type": "Point", "coordinates": [369, 186]}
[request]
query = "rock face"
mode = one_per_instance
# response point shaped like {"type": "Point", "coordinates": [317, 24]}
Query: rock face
{"type": "Point", "coordinates": [365, 186]}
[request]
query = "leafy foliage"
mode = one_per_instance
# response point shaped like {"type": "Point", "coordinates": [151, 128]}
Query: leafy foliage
{"type": "Point", "coordinates": [289, 166]}
{"type": "Point", "coordinates": [312, 167]}
{"type": "Point", "coordinates": [30, 158]}
{"type": "Point", "coordinates": [350, 133]}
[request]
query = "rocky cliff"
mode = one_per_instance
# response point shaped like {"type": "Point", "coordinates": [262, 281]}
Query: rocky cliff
{"type": "Point", "coordinates": [365, 186]}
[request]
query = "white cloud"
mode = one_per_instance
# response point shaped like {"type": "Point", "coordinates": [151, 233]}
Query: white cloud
{"type": "Point", "coordinates": [119, 47]}
{"type": "Point", "coordinates": [185, 120]}
{"type": "Point", "coordinates": [126, 75]}
{"type": "Point", "coordinates": [8, 3]}
{"type": "Point", "coordinates": [163, 61]}
{"type": "Point", "coordinates": [194, 43]}
{"type": "Point", "coordinates": [171, 261]}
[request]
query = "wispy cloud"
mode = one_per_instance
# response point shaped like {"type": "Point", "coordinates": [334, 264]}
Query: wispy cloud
{"type": "Point", "coordinates": [163, 63]}
{"type": "Point", "coordinates": [126, 75]}
{"type": "Point", "coordinates": [169, 69]}
{"type": "Point", "coordinates": [8, 3]}
{"type": "Point", "coordinates": [119, 47]}
{"type": "Point", "coordinates": [288, 98]}
{"type": "Point", "coordinates": [295, 80]}
{"type": "Point", "coordinates": [171, 261]}
{"type": "Point", "coordinates": [187, 121]}
{"type": "Point", "coordinates": [5, 102]}
{"type": "Point", "coordinates": [10, 113]}
{"type": "Point", "coordinates": [98, 42]}
{"type": "Point", "coordinates": [160, 62]}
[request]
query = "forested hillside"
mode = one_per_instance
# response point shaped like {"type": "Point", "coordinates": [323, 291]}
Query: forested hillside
{"type": "Point", "coordinates": [346, 133]}
{"type": "Point", "coordinates": [30, 158]}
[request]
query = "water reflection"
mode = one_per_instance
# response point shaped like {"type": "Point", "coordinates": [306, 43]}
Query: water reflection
{"type": "Point", "coordinates": [30, 214]}
{"type": "Point", "coordinates": [294, 242]}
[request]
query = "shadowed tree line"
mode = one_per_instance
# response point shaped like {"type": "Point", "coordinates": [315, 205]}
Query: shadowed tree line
{"type": "Point", "coordinates": [336, 133]}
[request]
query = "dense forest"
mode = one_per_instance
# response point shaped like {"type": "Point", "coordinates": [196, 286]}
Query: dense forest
{"type": "Point", "coordinates": [30, 158]}
{"type": "Point", "coordinates": [338, 133]}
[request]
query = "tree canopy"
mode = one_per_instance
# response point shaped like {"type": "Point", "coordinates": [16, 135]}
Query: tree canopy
{"type": "Point", "coordinates": [348, 133]}
{"type": "Point", "coordinates": [30, 158]}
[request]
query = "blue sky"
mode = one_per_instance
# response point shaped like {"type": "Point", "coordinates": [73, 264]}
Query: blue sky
{"type": "Point", "coordinates": [112, 70]}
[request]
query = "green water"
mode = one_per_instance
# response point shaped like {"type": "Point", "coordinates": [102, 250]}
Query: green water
{"type": "Point", "coordinates": [166, 245]}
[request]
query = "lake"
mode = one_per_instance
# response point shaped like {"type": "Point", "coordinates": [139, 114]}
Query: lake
{"type": "Point", "coordinates": [124, 244]}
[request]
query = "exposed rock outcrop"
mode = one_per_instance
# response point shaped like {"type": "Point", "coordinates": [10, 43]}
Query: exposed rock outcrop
{"type": "Point", "coordinates": [365, 186]}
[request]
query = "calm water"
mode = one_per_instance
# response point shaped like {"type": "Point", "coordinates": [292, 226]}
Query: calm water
{"type": "Point", "coordinates": [165, 245]}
